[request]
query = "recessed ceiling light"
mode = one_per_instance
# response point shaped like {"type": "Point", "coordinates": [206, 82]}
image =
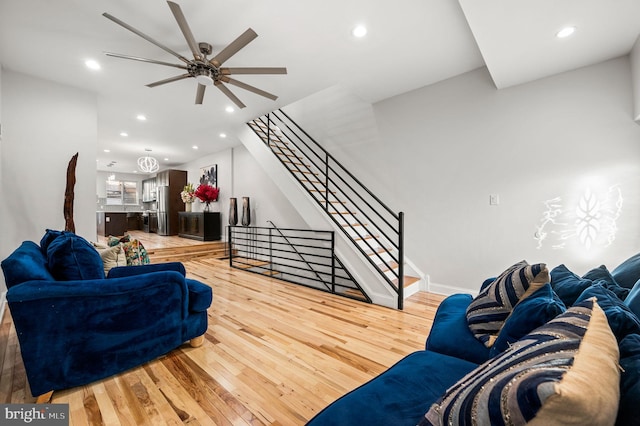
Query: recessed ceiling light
{"type": "Point", "coordinates": [141, 117]}
{"type": "Point", "coordinates": [124, 134]}
{"type": "Point", "coordinates": [166, 159]}
{"type": "Point", "coordinates": [107, 150]}
{"type": "Point", "coordinates": [359, 31]}
{"type": "Point", "coordinates": [195, 147]}
{"type": "Point", "coordinates": [565, 32]}
{"type": "Point", "coordinates": [229, 109]}
{"type": "Point", "coordinates": [92, 64]}
{"type": "Point", "coordinates": [223, 135]}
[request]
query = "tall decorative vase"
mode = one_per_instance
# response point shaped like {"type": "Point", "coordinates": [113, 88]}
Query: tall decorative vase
{"type": "Point", "coordinates": [206, 206]}
{"type": "Point", "coordinates": [246, 212]}
{"type": "Point", "coordinates": [187, 207]}
{"type": "Point", "coordinates": [233, 211]}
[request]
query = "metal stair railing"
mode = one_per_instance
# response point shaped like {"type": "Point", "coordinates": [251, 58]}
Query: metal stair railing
{"type": "Point", "coordinates": [300, 256]}
{"type": "Point", "coordinates": [371, 226]}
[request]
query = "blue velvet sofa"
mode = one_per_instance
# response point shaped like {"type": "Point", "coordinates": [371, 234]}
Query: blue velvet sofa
{"type": "Point", "coordinates": [425, 380]}
{"type": "Point", "coordinates": [76, 326]}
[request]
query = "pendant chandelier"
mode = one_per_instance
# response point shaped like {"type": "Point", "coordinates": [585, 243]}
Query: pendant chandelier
{"type": "Point", "coordinates": [148, 164]}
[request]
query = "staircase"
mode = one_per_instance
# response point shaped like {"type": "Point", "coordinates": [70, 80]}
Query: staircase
{"type": "Point", "coordinates": [371, 231]}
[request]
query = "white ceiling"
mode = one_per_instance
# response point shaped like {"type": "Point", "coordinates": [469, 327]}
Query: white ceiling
{"type": "Point", "coordinates": [410, 44]}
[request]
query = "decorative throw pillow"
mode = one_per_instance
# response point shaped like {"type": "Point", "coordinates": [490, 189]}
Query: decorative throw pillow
{"type": "Point", "coordinates": [633, 299]}
{"type": "Point", "coordinates": [602, 276]}
{"type": "Point", "coordinates": [565, 372]}
{"type": "Point", "coordinates": [112, 257]}
{"type": "Point", "coordinates": [71, 257]}
{"type": "Point", "coordinates": [48, 236]}
{"type": "Point", "coordinates": [488, 311]}
{"type": "Point", "coordinates": [621, 320]}
{"type": "Point", "coordinates": [114, 241]}
{"type": "Point", "coordinates": [530, 313]}
{"type": "Point", "coordinates": [568, 285]}
{"type": "Point", "coordinates": [629, 380]}
{"type": "Point", "coordinates": [628, 272]}
{"type": "Point", "coordinates": [26, 263]}
{"type": "Point", "coordinates": [135, 253]}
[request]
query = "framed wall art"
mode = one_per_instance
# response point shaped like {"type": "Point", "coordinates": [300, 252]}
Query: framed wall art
{"type": "Point", "coordinates": [209, 175]}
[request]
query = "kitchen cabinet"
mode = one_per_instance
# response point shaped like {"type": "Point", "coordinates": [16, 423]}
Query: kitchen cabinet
{"type": "Point", "coordinates": [134, 221]}
{"type": "Point", "coordinates": [111, 223]}
{"type": "Point", "coordinates": [203, 226]}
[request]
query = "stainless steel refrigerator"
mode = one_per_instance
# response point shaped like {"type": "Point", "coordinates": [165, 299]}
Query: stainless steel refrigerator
{"type": "Point", "coordinates": [163, 210]}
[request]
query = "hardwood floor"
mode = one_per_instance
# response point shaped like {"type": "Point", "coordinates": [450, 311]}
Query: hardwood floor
{"type": "Point", "coordinates": [274, 354]}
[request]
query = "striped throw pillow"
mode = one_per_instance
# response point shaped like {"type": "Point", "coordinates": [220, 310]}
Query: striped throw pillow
{"type": "Point", "coordinates": [565, 372]}
{"type": "Point", "coordinates": [489, 310]}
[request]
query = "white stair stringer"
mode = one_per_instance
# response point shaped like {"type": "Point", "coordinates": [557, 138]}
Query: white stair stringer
{"type": "Point", "coordinates": [354, 260]}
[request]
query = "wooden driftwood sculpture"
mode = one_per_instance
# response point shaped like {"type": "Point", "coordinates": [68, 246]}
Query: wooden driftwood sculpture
{"type": "Point", "coordinates": [69, 195]}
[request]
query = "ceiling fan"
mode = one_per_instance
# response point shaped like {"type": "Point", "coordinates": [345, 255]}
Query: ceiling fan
{"type": "Point", "coordinates": [206, 71]}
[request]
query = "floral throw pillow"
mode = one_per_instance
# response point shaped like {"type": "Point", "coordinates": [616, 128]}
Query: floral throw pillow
{"type": "Point", "coordinates": [135, 253]}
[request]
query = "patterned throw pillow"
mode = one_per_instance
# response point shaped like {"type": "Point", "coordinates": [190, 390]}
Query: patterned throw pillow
{"type": "Point", "coordinates": [488, 311]}
{"type": "Point", "coordinates": [114, 241]}
{"type": "Point", "coordinates": [135, 253]}
{"type": "Point", "coordinates": [565, 372]}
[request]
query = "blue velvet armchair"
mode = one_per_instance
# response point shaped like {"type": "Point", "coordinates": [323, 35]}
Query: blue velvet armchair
{"type": "Point", "coordinates": [76, 326]}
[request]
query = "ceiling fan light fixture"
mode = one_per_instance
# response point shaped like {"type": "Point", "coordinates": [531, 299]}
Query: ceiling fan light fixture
{"type": "Point", "coordinates": [204, 76]}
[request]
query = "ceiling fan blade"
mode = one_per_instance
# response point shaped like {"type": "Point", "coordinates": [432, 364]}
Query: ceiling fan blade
{"type": "Point", "coordinates": [144, 36]}
{"type": "Point", "coordinates": [224, 89]}
{"type": "Point", "coordinates": [233, 48]}
{"type": "Point", "coordinates": [186, 31]}
{"type": "Point", "coordinates": [245, 86]}
{"type": "Point", "coordinates": [200, 94]}
{"type": "Point", "coordinates": [253, 70]}
{"type": "Point", "coordinates": [169, 80]}
{"type": "Point", "coordinates": [151, 61]}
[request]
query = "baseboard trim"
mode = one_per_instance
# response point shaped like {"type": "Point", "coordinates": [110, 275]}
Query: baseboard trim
{"type": "Point", "coordinates": [448, 290]}
{"type": "Point", "coordinates": [3, 303]}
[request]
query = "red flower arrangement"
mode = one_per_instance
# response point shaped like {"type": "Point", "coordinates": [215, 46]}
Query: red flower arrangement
{"type": "Point", "coordinates": [207, 193]}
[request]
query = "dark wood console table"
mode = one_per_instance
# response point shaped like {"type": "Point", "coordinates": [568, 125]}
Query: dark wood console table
{"type": "Point", "coordinates": [203, 226]}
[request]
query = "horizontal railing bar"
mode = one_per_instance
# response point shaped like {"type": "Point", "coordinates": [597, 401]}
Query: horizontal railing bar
{"type": "Point", "coordinates": [343, 168]}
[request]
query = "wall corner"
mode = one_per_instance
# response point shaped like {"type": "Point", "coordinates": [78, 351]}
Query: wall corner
{"type": "Point", "coordinates": [635, 79]}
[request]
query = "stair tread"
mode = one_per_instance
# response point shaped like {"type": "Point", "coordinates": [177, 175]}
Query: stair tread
{"type": "Point", "coordinates": [407, 281]}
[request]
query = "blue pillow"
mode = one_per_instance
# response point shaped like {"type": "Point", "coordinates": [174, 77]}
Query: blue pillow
{"type": "Point", "coordinates": [602, 276]}
{"type": "Point", "coordinates": [628, 272]}
{"type": "Point", "coordinates": [629, 381]}
{"type": "Point", "coordinates": [26, 263]}
{"type": "Point", "coordinates": [567, 285]}
{"type": "Point", "coordinates": [621, 319]}
{"type": "Point", "coordinates": [534, 311]}
{"type": "Point", "coordinates": [633, 299]}
{"type": "Point", "coordinates": [47, 238]}
{"type": "Point", "coordinates": [71, 257]}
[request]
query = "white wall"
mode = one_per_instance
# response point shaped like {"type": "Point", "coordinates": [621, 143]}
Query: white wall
{"type": "Point", "coordinates": [239, 175]}
{"type": "Point", "coordinates": [635, 76]}
{"type": "Point", "coordinates": [43, 125]}
{"type": "Point", "coordinates": [442, 150]}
